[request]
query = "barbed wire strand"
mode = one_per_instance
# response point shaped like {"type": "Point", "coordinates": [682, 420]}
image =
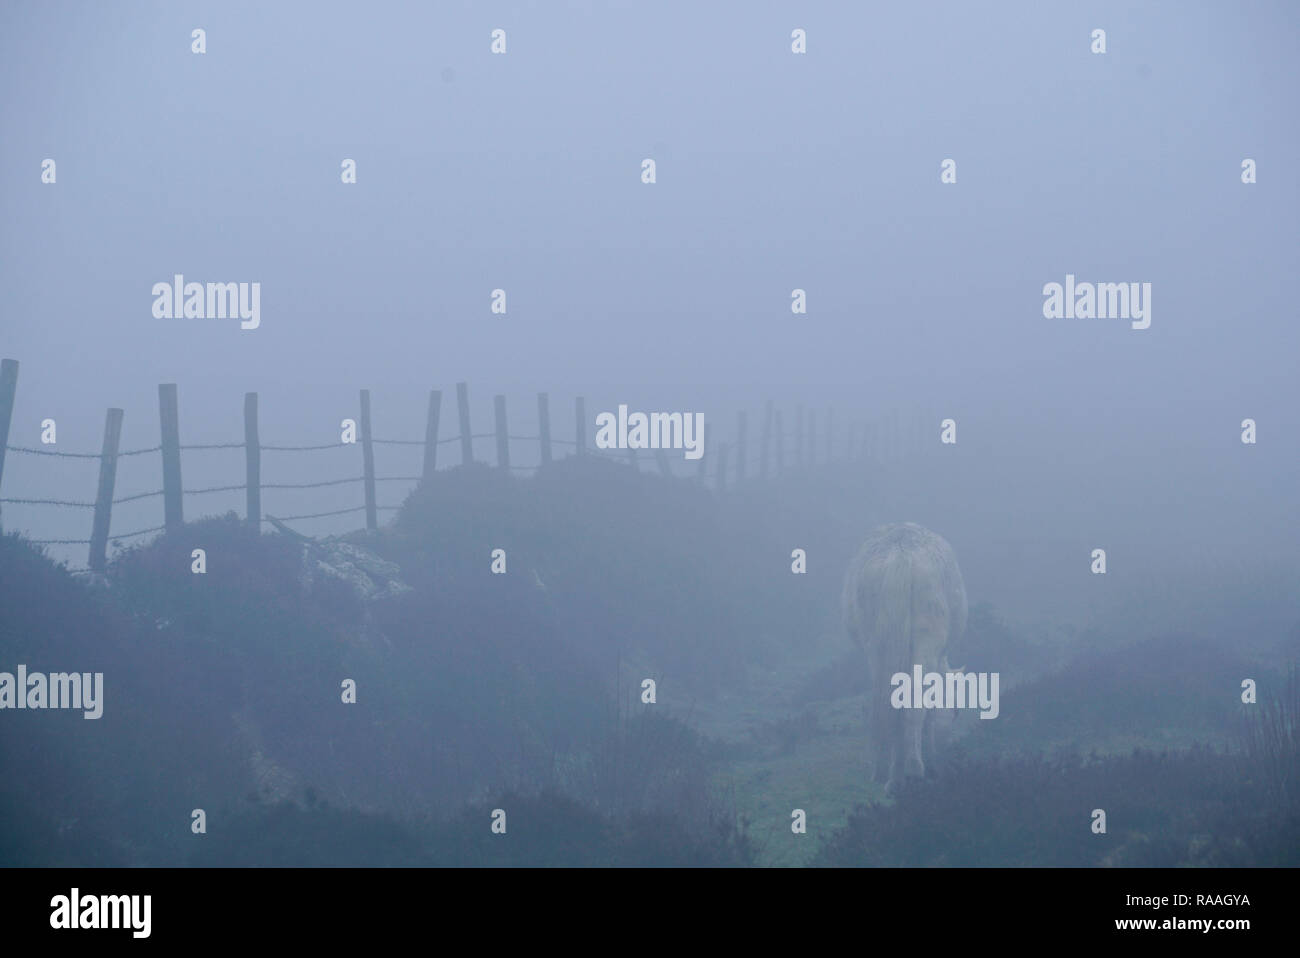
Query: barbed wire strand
{"type": "Point", "coordinates": [315, 515]}
{"type": "Point", "coordinates": [308, 485]}
{"type": "Point", "coordinates": [48, 452]}
{"type": "Point", "coordinates": [138, 532]}
{"type": "Point", "coordinates": [326, 445]}
{"type": "Point", "coordinates": [138, 495]}
{"type": "Point", "coordinates": [50, 502]}
{"type": "Point", "coordinates": [276, 447]}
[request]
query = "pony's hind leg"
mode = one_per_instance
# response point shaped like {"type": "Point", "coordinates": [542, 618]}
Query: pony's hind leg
{"type": "Point", "coordinates": [929, 636]}
{"type": "Point", "coordinates": [884, 737]}
{"type": "Point", "coordinates": [913, 728]}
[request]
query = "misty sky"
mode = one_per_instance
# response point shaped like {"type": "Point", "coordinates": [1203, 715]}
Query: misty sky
{"type": "Point", "coordinates": [775, 171]}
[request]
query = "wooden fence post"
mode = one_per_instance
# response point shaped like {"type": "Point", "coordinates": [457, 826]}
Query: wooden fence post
{"type": "Point", "coordinates": [368, 462]}
{"type": "Point", "coordinates": [580, 425]}
{"type": "Point", "coordinates": [169, 421]}
{"type": "Point", "coordinates": [503, 437]}
{"type": "Point", "coordinates": [252, 462]}
{"type": "Point", "coordinates": [8, 387]}
{"type": "Point", "coordinates": [544, 425]}
{"type": "Point", "coordinates": [766, 442]}
{"type": "Point", "coordinates": [98, 560]}
{"type": "Point", "coordinates": [742, 444]}
{"type": "Point", "coordinates": [798, 435]}
{"type": "Point", "coordinates": [466, 440]}
{"type": "Point", "coordinates": [431, 434]}
{"type": "Point", "coordinates": [780, 445]}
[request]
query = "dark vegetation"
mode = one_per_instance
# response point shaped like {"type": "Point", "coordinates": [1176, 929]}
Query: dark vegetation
{"type": "Point", "coordinates": [997, 800]}
{"type": "Point", "coordinates": [522, 692]}
{"type": "Point", "coordinates": [1162, 809]}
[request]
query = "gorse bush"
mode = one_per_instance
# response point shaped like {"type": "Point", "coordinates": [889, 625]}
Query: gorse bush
{"type": "Point", "coordinates": [467, 685]}
{"type": "Point", "coordinates": [1175, 690]}
{"type": "Point", "coordinates": [1229, 805]}
{"type": "Point", "coordinates": [99, 789]}
{"type": "Point", "coordinates": [1162, 809]}
{"type": "Point", "coordinates": [991, 645]}
{"type": "Point", "coordinates": [633, 566]}
{"type": "Point", "coordinates": [1269, 736]}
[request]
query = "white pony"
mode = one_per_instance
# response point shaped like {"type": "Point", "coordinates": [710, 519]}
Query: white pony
{"type": "Point", "coordinates": [904, 602]}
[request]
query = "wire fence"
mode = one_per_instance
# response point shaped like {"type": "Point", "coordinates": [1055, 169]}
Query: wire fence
{"type": "Point", "coordinates": [770, 453]}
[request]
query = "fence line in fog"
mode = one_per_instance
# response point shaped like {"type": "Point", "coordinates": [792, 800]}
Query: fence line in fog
{"type": "Point", "coordinates": [866, 440]}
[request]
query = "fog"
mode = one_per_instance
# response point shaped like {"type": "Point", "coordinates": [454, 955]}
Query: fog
{"type": "Point", "coordinates": [774, 172]}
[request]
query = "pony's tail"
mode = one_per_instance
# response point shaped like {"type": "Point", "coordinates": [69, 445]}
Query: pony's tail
{"type": "Point", "coordinates": [891, 610]}
{"type": "Point", "coordinates": [893, 613]}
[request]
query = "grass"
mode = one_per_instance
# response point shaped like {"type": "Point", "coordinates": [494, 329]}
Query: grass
{"type": "Point", "coordinates": [826, 776]}
{"type": "Point", "coordinates": [780, 753]}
